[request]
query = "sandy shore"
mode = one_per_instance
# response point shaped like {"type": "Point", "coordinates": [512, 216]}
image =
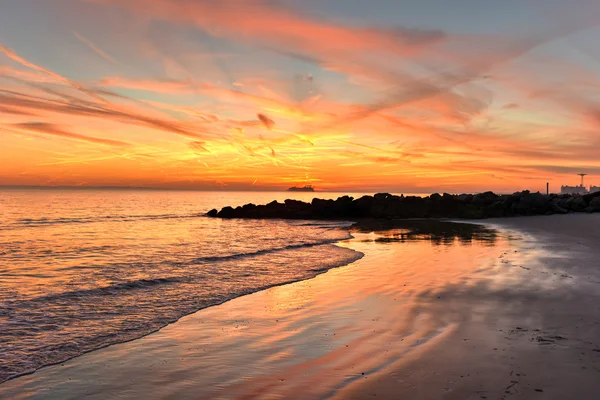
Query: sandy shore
{"type": "Point", "coordinates": [457, 315]}
{"type": "Point", "coordinates": [537, 339]}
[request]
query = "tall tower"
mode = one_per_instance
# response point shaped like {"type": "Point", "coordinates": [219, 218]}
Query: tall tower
{"type": "Point", "coordinates": [582, 175]}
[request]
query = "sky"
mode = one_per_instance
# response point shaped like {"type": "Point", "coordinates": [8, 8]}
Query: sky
{"type": "Point", "coordinates": [349, 95]}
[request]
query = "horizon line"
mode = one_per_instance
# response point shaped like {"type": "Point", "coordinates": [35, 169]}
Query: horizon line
{"type": "Point", "coordinates": [113, 187]}
{"type": "Point", "coordinates": [150, 188]}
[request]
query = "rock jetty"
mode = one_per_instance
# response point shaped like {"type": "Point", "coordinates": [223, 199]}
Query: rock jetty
{"type": "Point", "coordinates": [385, 205]}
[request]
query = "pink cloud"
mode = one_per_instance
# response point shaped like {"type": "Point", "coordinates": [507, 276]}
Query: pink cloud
{"type": "Point", "coordinates": [262, 21]}
{"type": "Point", "coordinates": [55, 130]}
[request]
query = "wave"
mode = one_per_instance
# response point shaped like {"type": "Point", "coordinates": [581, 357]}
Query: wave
{"type": "Point", "coordinates": [147, 283]}
{"type": "Point", "coordinates": [327, 224]}
{"type": "Point", "coordinates": [57, 352]}
{"type": "Point", "coordinates": [269, 251]}
{"type": "Point", "coordinates": [112, 289]}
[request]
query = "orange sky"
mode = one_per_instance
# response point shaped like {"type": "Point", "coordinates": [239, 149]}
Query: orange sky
{"type": "Point", "coordinates": [250, 94]}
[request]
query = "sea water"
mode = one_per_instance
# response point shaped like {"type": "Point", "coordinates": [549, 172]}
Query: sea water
{"type": "Point", "coordinates": [83, 269]}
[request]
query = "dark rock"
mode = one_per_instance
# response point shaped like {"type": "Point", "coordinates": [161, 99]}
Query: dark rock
{"type": "Point", "coordinates": [381, 196]}
{"type": "Point", "coordinates": [296, 205]}
{"type": "Point", "coordinates": [435, 197]}
{"type": "Point", "coordinates": [387, 206]}
{"type": "Point", "coordinates": [466, 198]}
{"type": "Point", "coordinates": [486, 198]}
{"type": "Point", "coordinates": [558, 209]}
{"type": "Point", "coordinates": [531, 204]}
{"type": "Point", "coordinates": [561, 202]}
{"type": "Point", "coordinates": [274, 204]}
{"type": "Point", "coordinates": [344, 199]}
{"type": "Point", "coordinates": [226, 212]}
{"type": "Point", "coordinates": [212, 213]}
{"type": "Point", "coordinates": [362, 206]}
{"type": "Point", "coordinates": [590, 196]}
{"type": "Point", "coordinates": [594, 205]}
{"type": "Point", "coordinates": [577, 204]}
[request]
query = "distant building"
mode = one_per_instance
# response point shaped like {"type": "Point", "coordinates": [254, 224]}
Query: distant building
{"type": "Point", "coordinates": [594, 189]}
{"type": "Point", "coordinates": [573, 190]}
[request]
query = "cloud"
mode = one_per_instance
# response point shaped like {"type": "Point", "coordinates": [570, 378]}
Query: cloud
{"type": "Point", "coordinates": [266, 121]}
{"type": "Point", "coordinates": [271, 23]}
{"type": "Point", "coordinates": [95, 48]}
{"type": "Point", "coordinates": [14, 111]}
{"type": "Point", "coordinates": [15, 57]}
{"type": "Point", "coordinates": [170, 86]}
{"type": "Point", "coordinates": [115, 114]}
{"type": "Point", "coordinates": [198, 146]}
{"type": "Point", "coordinates": [55, 130]}
{"type": "Point", "coordinates": [28, 76]}
{"type": "Point", "coordinates": [189, 86]}
{"type": "Point", "coordinates": [590, 169]}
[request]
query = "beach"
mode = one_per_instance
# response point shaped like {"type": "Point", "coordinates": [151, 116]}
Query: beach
{"type": "Point", "coordinates": [538, 338]}
{"type": "Point", "coordinates": [473, 313]}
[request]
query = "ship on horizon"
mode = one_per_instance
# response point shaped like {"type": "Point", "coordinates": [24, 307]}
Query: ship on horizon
{"type": "Point", "coordinates": [306, 188]}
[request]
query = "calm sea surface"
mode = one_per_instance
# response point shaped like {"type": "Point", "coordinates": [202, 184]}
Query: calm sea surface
{"type": "Point", "coordinates": [82, 269]}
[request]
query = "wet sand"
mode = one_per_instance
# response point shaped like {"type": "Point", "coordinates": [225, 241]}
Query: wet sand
{"type": "Point", "coordinates": [538, 339]}
{"type": "Point", "coordinates": [450, 313]}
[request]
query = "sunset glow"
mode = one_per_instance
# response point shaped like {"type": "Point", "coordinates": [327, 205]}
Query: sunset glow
{"type": "Point", "coordinates": [260, 95]}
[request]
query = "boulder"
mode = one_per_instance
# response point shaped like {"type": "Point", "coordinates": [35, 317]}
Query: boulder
{"type": "Point", "coordinates": [561, 202]}
{"type": "Point", "coordinates": [226, 212]}
{"type": "Point", "coordinates": [343, 206]}
{"type": "Point", "coordinates": [362, 206]}
{"type": "Point", "coordinates": [322, 208]}
{"type": "Point", "coordinates": [590, 196]}
{"type": "Point", "coordinates": [381, 196]}
{"type": "Point", "coordinates": [577, 204]}
{"type": "Point", "coordinates": [556, 209]}
{"type": "Point", "coordinates": [274, 204]}
{"type": "Point", "coordinates": [532, 204]}
{"type": "Point", "coordinates": [485, 198]}
{"type": "Point", "coordinates": [594, 205]}
{"type": "Point", "coordinates": [296, 204]}
{"type": "Point", "coordinates": [435, 197]}
{"type": "Point", "coordinates": [465, 198]}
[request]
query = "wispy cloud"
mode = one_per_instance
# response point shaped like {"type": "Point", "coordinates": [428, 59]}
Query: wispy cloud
{"type": "Point", "coordinates": [95, 48]}
{"type": "Point", "coordinates": [54, 130]}
{"type": "Point", "coordinates": [15, 57]}
{"type": "Point", "coordinates": [270, 22]}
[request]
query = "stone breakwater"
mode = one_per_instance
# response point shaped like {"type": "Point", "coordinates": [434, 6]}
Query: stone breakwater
{"type": "Point", "coordinates": [385, 205]}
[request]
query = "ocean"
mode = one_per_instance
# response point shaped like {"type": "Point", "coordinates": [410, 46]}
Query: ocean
{"type": "Point", "coordinates": [83, 269]}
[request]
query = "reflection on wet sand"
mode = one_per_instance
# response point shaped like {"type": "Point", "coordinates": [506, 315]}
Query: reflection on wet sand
{"type": "Point", "coordinates": [314, 338]}
{"type": "Point", "coordinates": [436, 232]}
